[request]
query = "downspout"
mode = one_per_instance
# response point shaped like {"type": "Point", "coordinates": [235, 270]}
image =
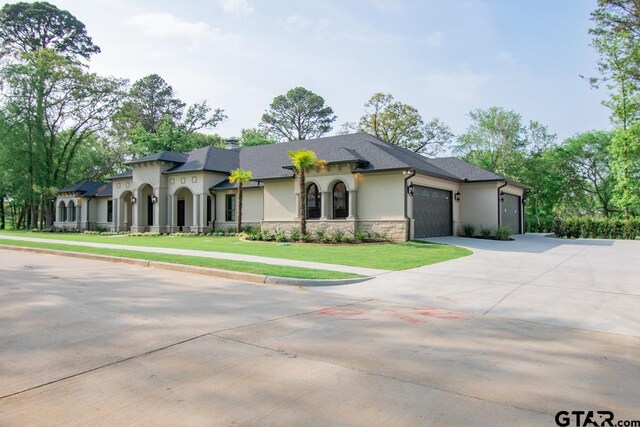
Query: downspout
{"type": "Point", "coordinates": [524, 196]}
{"type": "Point", "coordinates": [500, 213]}
{"type": "Point", "coordinates": [406, 216]}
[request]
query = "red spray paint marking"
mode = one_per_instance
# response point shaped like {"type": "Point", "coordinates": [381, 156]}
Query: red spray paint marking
{"type": "Point", "coordinates": [406, 317]}
{"type": "Point", "coordinates": [438, 314]}
{"type": "Point", "coordinates": [330, 311]}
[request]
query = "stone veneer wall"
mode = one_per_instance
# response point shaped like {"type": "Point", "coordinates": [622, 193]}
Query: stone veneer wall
{"type": "Point", "coordinates": [394, 230]}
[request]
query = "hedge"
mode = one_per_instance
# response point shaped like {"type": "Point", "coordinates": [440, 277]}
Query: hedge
{"type": "Point", "coordinates": [597, 228]}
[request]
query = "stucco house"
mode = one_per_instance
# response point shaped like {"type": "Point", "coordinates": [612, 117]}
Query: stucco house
{"type": "Point", "coordinates": [366, 184]}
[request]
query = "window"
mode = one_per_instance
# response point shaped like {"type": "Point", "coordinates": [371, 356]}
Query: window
{"type": "Point", "coordinates": [63, 212]}
{"type": "Point", "coordinates": [230, 207]}
{"type": "Point", "coordinates": [109, 210]}
{"type": "Point", "coordinates": [314, 202]}
{"type": "Point", "coordinates": [72, 211]}
{"type": "Point", "coordinates": [340, 201]}
{"type": "Point", "coordinates": [208, 210]}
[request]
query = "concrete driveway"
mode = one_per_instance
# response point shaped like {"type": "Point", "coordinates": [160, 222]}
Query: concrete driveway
{"type": "Point", "coordinates": [93, 343]}
{"type": "Point", "coordinates": [584, 284]}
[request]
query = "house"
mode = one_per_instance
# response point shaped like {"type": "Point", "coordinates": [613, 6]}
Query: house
{"type": "Point", "coordinates": [366, 184]}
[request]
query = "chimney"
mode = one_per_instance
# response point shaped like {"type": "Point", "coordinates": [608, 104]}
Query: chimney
{"type": "Point", "coordinates": [231, 143]}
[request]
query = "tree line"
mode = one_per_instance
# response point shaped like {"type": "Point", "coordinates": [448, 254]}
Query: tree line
{"type": "Point", "coordinates": [61, 123]}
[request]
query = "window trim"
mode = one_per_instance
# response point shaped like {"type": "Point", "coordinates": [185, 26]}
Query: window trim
{"type": "Point", "coordinates": [229, 207]}
{"type": "Point", "coordinates": [346, 201]}
{"type": "Point", "coordinates": [318, 200]}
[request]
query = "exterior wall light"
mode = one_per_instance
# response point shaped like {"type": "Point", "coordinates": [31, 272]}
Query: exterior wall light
{"type": "Point", "coordinates": [502, 196]}
{"type": "Point", "coordinates": [134, 200]}
{"type": "Point", "coordinates": [410, 189]}
{"type": "Point", "coordinates": [457, 196]}
{"type": "Point", "coordinates": [154, 199]}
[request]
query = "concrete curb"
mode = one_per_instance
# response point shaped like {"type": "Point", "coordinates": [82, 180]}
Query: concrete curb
{"type": "Point", "coordinates": [207, 271]}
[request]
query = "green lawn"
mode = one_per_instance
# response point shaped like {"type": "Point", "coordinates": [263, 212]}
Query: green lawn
{"type": "Point", "coordinates": [386, 256]}
{"type": "Point", "coordinates": [246, 267]}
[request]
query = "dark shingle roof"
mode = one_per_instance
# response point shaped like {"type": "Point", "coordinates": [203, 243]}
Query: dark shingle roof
{"type": "Point", "coordinates": [226, 185]}
{"type": "Point", "coordinates": [125, 174]}
{"type": "Point", "coordinates": [89, 189]}
{"type": "Point", "coordinates": [165, 156]}
{"type": "Point", "coordinates": [465, 170]}
{"type": "Point", "coordinates": [272, 161]}
{"type": "Point", "coordinates": [209, 159]}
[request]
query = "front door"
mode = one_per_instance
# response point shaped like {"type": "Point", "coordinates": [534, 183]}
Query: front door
{"type": "Point", "coordinates": [181, 214]}
{"type": "Point", "coordinates": [510, 212]}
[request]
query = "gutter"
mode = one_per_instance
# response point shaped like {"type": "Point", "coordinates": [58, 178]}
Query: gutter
{"type": "Point", "coordinates": [406, 216]}
{"type": "Point", "coordinates": [500, 213]}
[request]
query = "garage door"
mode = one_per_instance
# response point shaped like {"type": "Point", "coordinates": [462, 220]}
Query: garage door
{"type": "Point", "coordinates": [511, 212]}
{"type": "Point", "coordinates": [432, 212]}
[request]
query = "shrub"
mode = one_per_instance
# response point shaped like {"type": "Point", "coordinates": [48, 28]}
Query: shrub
{"type": "Point", "coordinates": [295, 234]}
{"type": "Point", "coordinates": [380, 236]}
{"type": "Point", "coordinates": [469, 230]}
{"type": "Point", "coordinates": [362, 235]}
{"type": "Point", "coordinates": [321, 235]}
{"type": "Point", "coordinates": [305, 238]}
{"type": "Point", "coordinates": [503, 233]}
{"type": "Point", "coordinates": [268, 236]}
{"type": "Point", "coordinates": [250, 229]}
{"type": "Point", "coordinates": [280, 237]}
{"type": "Point", "coordinates": [598, 228]}
{"type": "Point", "coordinates": [337, 235]}
{"type": "Point", "coordinates": [485, 233]}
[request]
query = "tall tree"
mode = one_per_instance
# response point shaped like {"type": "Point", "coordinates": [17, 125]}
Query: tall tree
{"type": "Point", "coordinates": [153, 119]}
{"type": "Point", "coordinates": [401, 124]}
{"type": "Point", "coordinates": [617, 40]}
{"type": "Point", "coordinates": [59, 108]}
{"type": "Point", "coordinates": [251, 137]}
{"type": "Point", "coordinates": [298, 114]}
{"type": "Point", "coordinates": [303, 161]}
{"type": "Point", "coordinates": [241, 177]}
{"type": "Point", "coordinates": [29, 27]}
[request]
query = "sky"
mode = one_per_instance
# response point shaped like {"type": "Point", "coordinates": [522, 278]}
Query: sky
{"type": "Point", "coordinates": [445, 57]}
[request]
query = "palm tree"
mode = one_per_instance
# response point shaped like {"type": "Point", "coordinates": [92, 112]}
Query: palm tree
{"type": "Point", "coordinates": [303, 160]}
{"type": "Point", "coordinates": [242, 177]}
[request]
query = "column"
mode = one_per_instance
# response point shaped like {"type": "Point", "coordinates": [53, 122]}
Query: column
{"type": "Point", "coordinates": [161, 209]}
{"type": "Point", "coordinates": [297, 217]}
{"type": "Point", "coordinates": [352, 205]}
{"type": "Point", "coordinates": [324, 205]}
{"type": "Point", "coordinates": [115, 213]}
{"type": "Point", "coordinates": [135, 212]}
{"type": "Point", "coordinates": [203, 212]}
{"type": "Point", "coordinates": [172, 217]}
{"type": "Point", "coordinates": [196, 209]}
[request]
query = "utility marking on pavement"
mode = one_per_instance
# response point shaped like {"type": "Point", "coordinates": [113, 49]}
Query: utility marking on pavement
{"type": "Point", "coordinates": [415, 316]}
{"type": "Point", "coordinates": [350, 313]}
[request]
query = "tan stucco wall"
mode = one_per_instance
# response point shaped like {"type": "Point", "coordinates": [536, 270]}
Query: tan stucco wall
{"type": "Point", "coordinates": [380, 196]}
{"type": "Point", "coordinates": [279, 200]}
{"type": "Point", "coordinates": [252, 206]}
{"type": "Point", "coordinates": [479, 204]}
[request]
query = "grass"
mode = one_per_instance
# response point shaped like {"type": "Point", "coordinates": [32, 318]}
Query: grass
{"type": "Point", "coordinates": [246, 267]}
{"type": "Point", "coordinates": [386, 256]}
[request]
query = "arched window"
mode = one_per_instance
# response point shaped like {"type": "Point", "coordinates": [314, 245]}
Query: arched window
{"type": "Point", "coordinates": [314, 202]}
{"type": "Point", "coordinates": [340, 201]}
{"type": "Point", "coordinates": [62, 212]}
{"type": "Point", "coordinates": [72, 211]}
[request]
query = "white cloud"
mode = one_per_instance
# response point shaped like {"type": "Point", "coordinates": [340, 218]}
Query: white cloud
{"type": "Point", "coordinates": [434, 40]}
{"type": "Point", "coordinates": [507, 58]}
{"type": "Point", "coordinates": [297, 22]}
{"type": "Point", "coordinates": [168, 26]}
{"type": "Point", "coordinates": [237, 7]}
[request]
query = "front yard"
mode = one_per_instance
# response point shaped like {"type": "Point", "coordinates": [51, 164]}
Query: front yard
{"type": "Point", "coordinates": [385, 256]}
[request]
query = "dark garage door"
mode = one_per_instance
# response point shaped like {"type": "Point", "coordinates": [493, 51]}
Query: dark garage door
{"type": "Point", "coordinates": [511, 212]}
{"type": "Point", "coordinates": [431, 211]}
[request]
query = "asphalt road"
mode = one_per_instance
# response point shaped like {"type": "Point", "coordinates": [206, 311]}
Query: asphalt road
{"type": "Point", "coordinates": [92, 343]}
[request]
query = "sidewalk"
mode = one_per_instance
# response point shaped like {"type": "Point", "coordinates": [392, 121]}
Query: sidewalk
{"type": "Point", "coordinates": [207, 254]}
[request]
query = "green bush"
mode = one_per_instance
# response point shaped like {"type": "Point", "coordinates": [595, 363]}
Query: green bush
{"type": "Point", "coordinates": [468, 230]}
{"type": "Point", "coordinates": [503, 233]}
{"type": "Point", "coordinates": [362, 235]}
{"type": "Point", "coordinates": [597, 228]}
{"type": "Point", "coordinates": [321, 235]}
{"type": "Point", "coordinates": [250, 229]}
{"type": "Point", "coordinates": [337, 235]}
{"type": "Point", "coordinates": [280, 237]}
{"type": "Point", "coordinates": [486, 233]}
{"type": "Point", "coordinates": [295, 234]}
{"type": "Point", "coordinates": [305, 238]}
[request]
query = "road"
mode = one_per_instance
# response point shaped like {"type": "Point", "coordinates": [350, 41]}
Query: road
{"type": "Point", "coordinates": [93, 343]}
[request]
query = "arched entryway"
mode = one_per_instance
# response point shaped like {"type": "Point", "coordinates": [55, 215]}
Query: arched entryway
{"type": "Point", "coordinates": [125, 215]}
{"type": "Point", "coordinates": [146, 200]}
{"type": "Point", "coordinates": [184, 210]}
{"type": "Point", "coordinates": [62, 212]}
